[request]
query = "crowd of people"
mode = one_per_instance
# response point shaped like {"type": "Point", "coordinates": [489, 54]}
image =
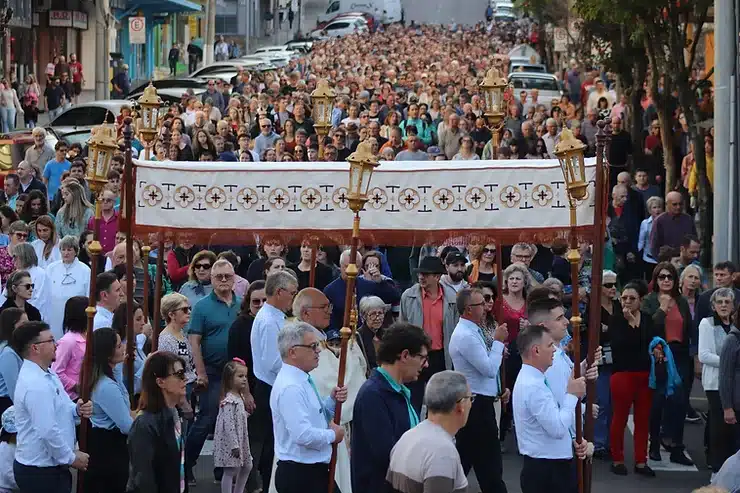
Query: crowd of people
{"type": "Point", "coordinates": [248, 350]}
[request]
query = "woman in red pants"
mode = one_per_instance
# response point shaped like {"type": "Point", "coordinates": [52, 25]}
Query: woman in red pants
{"type": "Point", "coordinates": [631, 335]}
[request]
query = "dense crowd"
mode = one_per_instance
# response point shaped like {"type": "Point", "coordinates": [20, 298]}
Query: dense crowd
{"type": "Point", "coordinates": [244, 334]}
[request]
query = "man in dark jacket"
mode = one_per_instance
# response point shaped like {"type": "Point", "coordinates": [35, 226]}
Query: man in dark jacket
{"type": "Point", "coordinates": [383, 410]}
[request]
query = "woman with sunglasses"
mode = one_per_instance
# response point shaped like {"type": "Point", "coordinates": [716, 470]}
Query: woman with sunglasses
{"type": "Point", "coordinates": [610, 308]}
{"type": "Point", "coordinates": [713, 331]}
{"type": "Point", "coordinates": [111, 418]}
{"type": "Point", "coordinates": [18, 233]}
{"type": "Point", "coordinates": [483, 265]}
{"type": "Point", "coordinates": [631, 332]}
{"type": "Point", "coordinates": [199, 286]}
{"type": "Point", "coordinates": [156, 440]}
{"type": "Point", "coordinates": [671, 316]}
{"type": "Point", "coordinates": [18, 291]}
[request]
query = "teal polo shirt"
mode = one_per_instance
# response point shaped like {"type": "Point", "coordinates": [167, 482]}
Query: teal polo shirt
{"type": "Point", "coordinates": [211, 319]}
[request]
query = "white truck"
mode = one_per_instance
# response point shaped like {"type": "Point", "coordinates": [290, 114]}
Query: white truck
{"type": "Point", "coordinates": [384, 11]}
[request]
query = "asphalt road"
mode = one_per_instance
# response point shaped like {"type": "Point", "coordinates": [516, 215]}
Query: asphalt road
{"type": "Point", "coordinates": [466, 12]}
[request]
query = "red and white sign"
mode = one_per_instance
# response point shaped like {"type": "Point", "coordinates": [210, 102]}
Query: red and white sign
{"type": "Point", "coordinates": [79, 20]}
{"type": "Point", "coordinates": [60, 18]}
{"type": "Point", "coordinates": [137, 30]}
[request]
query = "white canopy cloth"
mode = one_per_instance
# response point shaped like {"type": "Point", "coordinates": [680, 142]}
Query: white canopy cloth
{"type": "Point", "coordinates": [408, 201]}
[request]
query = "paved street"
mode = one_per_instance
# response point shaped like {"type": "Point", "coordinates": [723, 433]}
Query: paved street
{"type": "Point", "coordinates": [444, 11]}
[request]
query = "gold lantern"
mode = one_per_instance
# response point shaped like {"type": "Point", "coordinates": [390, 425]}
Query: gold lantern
{"type": "Point", "coordinates": [322, 100]}
{"type": "Point", "coordinates": [102, 145]}
{"type": "Point", "coordinates": [150, 103]}
{"type": "Point", "coordinates": [493, 86]}
{"type": "Point", "coordinates": [362, 162]}
{"type": "Point", "coordinates": [570, 154]}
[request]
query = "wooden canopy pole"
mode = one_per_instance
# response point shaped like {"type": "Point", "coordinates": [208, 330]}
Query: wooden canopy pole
{"type": "Point", "coordinates": [312, 272]}
{"type": "Point", "coordinates": [145, 251]}
{"type": "Point", "coordinates": [156, 318]}
{"type": "Point", "coordinates": [128, 171]}
{"type": "Point", "coordinates": [500, 289]}
{"type": "Point", "coordinates": [601, 187]}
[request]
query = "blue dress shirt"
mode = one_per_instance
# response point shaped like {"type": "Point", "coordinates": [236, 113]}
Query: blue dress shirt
{"type": "Point", "coordinates": [45, 417]}
{"type": "Point", "coordinates": [471, 358]}
{"type": "Point", "coordinates": [265, 353]}
{"type": "Point", "coordinates": [299, 418]}
{"type": "Point", "coordinates": [111, 406]}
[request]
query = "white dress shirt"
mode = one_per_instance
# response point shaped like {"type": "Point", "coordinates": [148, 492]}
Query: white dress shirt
{"type": "Point", "coordinates": [543, 428]}
{"type": "Point", "coordinates": [471, 358]}
{"type": "Point", "coordinates": [299, 418]}
{"type": "Point", "coordinates": [266, 359]}
{"type": "Point", "coordinates": [559, 374]}
{"type": "Point", "coordinates": [45, 417]}
{"type": "Point", "coordinates": [65, 281]}
{"type": "Point", "coordinates": [103, 318]}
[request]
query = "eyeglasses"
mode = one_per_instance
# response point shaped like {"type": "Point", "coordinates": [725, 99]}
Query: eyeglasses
{"type": "Point", "coordinates": [313, 346]}
{"type": "Point", "coordinates": [476, 304]}
{"type": "Point", "coordinates": [202, 266]}
{"type": "Point", "coordinates": [376, 315]}
{"type": "Point", "coordinates": [487, 298]}
{"type": "Point", "coordinates": [184, 309]}
{"type": "Point", "coordinates": [424, 357]}
{"type": "Point", "coordinates": [489, 250]}
{"type": "Point", "coordinates": [258, 301]}
{"type": "Point", "coordinates": [522, 257]}
{"type": "Point", "coordinates": [179, 374]}
{"type": "Point", "coordinates": [665, 277]}
{"type": "Point", "coordinates": [326, 307]}
{"type": "Point", "coordinates": [629, 298]}
{"type": "Point", "coordinates": [265, 126]}
{"type": "Point", "coordinates": [723, 302]}
{"type": "Point", "coordinates": [471, 397]}
{"type": "Point", "coordinates": [26, 286]}
{"type": "Point", "coordinates": [45, 341]}
{"type": "Point", "coordinates": [223, 277]}
{"type": "Point", "coordinates": [610, 285]}
{"type": "Point", "coordinates": [21, 236]}
{"type": "Point", "coordinates": [292, 293]}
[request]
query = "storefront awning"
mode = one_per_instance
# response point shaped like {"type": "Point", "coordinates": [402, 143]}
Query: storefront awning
{"type": "Point", "coordinates": [166, 6]}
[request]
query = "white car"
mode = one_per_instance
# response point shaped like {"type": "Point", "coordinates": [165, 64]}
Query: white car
{"type": "Point", "coordinates": [273, 49]}
{"type": "Point", "coordinates": [254, 65]}
{"type": "Point", "coordinates": [546, 84]}
{"type": "Point", "coordinates": [341, 27]}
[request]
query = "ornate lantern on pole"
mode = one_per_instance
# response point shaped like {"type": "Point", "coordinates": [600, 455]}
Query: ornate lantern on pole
{"type": "Point", "coordinates": [102, 145]}
{"type": "Point", "coordinates": [150, 103]}
{"type": "Point", "coordinates": [362, 163]}
{"type": "Point", "coordinates": [322, 99]}
{"type": "Point", "coordinates": [492, 87]}
{"type": "Point", "coordinates": [570, 154]}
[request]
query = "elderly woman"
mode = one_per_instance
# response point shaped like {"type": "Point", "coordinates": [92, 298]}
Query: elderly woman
{"type": "Point", "coordinates": [18, 232]}
{"type": "Point", "coordinates": [610, 308]}
{"type": "Point", "coordinates": [712, 334]}
{"type": "Point", "coordinates": [25, 259]}
{"type": "Point", "coordinates": [671, 315]}
{"type": "Point", "coordinates": [372, 312]}
{"type": "Point", "coordinates": [199, 286]}
{"type": "Point", "coordinates": [66, 278]}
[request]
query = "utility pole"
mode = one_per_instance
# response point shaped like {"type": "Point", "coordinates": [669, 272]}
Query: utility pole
{"type": "Point", "coordinates": [101, 49]}
{"type": "Point", "coordinates": [210, 38]}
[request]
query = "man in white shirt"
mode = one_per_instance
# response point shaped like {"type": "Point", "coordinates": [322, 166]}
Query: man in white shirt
{"type": "Point", "coordinates": [280, 289]}
{"type": "Point", "coordinates": [544, 427]}
{"type": "Point", "coordinates": [45, 417]}
{"type": "Point", "coordinates": [302, 419]}
{"type": "Point", "coordinates": [478, 441]}
{"type": "Point", "coordinates": [108, 297]}
{"type": "Point", "coordinates": [425, 458]}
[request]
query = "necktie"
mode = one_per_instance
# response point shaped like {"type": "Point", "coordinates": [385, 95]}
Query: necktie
{"type": "Point", "coordinates": [324, 411]}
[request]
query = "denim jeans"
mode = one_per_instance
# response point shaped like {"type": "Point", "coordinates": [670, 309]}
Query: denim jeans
{"type": "Point", "coordinates": [205, 420]}
{"type": "Point", "coordinates": [7, 118]}
{"type": "Point", "coordinates": [55, 113]}
{"type": "Point", "coordinates": [604, 401]}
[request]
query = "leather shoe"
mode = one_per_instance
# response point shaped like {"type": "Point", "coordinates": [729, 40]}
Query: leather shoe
{"type": "Point", "coordinates": [679, 457]}
{"type": "Point", "coordinates": [645, 471]}
{"type": "Point", "coordinates": [655, 452]}
{"type": "Point", "coordinates": [619, 469]}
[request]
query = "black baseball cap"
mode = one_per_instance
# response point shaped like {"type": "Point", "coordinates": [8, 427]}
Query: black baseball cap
{"type": "Point", "coordinates": [455, 257]}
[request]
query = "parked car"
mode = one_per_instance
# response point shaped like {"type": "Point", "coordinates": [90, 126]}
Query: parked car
{"type": "Point", "coordinates": [303, 46]}
{"type": "Point", "coordinates": [527, 67]}
{"type": "Point", "coordinates": [341, 27]}
{"type": "Point", "coordinates": [87, 115]}
{"type": "Point", "coordinates": [253, 65]}
{"type": "Point", "coordinates": [370, 18]}
{"type": "Point", "coordinates": [276, 59]}
{"type": "Point", "coordinates": [546, 84]}
{"type": "Point", "coordinates": [179, 82]}
{"type": "Point", "coordinates": [13, 145]}
{"type": "Point", "coordinates": [171, 95]}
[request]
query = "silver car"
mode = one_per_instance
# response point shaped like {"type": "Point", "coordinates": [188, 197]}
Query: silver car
{"type": "Point", "coordinates": [547, 86]}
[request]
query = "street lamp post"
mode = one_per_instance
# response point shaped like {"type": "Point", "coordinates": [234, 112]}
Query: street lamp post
{"type": "Point", "coordinates": [150, 103]}
{"type": "Point", "coordinates": [322, 100]}
{"type": "Point", "coordinates": [492, 87]}
{"type": "Point", "coordinates": [362, 162]}
{"type": "Point", "coordinates": [569, 152]}
{"type": "Point", "coordinates": [102, 145]}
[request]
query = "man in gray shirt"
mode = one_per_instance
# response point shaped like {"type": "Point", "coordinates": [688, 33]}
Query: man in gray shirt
{"type": "Point", "coordinates": [412, 152]}
{"type": "Point", "coordinates": [266, 139]}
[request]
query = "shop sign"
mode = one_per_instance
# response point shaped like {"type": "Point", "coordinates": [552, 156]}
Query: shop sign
{"type": "Point", "coordinates": [137, 30]}
{"type": "Point", "coordinates": [79, 20]}
{"type": "Point", "coordinates": [60, 18]}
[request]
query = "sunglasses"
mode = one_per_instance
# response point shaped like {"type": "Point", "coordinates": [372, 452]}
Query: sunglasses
{"type": "Point", "coordinates": [610, 285]}
{"type": "Point", "coordinates": [202, 266]}
{"type": "Point", "coordinates": [184, 309]}
{"type": "Point", "coordinates": [179, 374]}
{"type": "Point", "coordinates": [224, 277]}
{"type": "Point", "coordinates": [29, 285]}
{"type": "Point", "coordinates": [258, 301]}
{"type": "Point", "coordinates": [21, 236]}
{"type": "Point", "coordinates": [629, 298]}
{"type": "Point", "coordinates": [487, 298]}
{"type": "Point", "coordinates": [665, 277]}
{"type": "Point", "coordinates": [489, 250]}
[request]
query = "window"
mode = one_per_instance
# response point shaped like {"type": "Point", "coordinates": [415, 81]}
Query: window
{"type": "Point", "coordinates": [98, 115]}
{"type": "Point", "coordinates": [73, 117]}
{"type": "Point", "coordinates": [333, 7]}
{"type": "Point", "coordinates": [337, 25]}
{"type": "Point", "coordinates": [535, 83]}
{"type": "Point", "coordinates": [227, 24]}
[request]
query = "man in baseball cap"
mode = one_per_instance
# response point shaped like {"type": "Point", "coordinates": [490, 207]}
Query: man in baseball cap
{"type": "Point", "coordinates": [455, 263]}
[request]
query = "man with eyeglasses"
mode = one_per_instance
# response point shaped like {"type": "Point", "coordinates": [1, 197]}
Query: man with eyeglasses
{"type": "Point", "coordinates": [302, 417]}
{"type": "Point", "coordinates": [383, 411]}
{"type": "Point", "coordinates": [672, 226]}
{"type": "Point", "coordinates": [215, 96]}
{"type": "Point", "coordinates": [280, 289]}
{"type": "Point", "coordinates": [478, 357]}
{"type": "Point", "coordinates": [266, 139]}
{"type": "Point", "coordinates": [108, 222]}
{"type": "Point", "coordinates": [45, 417]}
{"type": "Point", "coordinates": [210, 321]}
{"type": "Point", "coordinates": [426, 454]}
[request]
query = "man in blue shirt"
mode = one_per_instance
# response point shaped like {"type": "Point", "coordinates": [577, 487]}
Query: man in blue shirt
{"type": "Point", "coordinates": [45, 417]}
{"type": "Point", "coordinates": [209, 337]}
{"type": "Point", "coordinates": [55, 168]}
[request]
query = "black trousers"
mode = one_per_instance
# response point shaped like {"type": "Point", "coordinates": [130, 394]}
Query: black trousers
{"type": "Point", "coordinates": [721, 435]}
{"type": "Point", "coordinates": [513, 364]}
{"type": "Point", "coordinates": [479, 448]}
{"type": "Point", "coordinates": [263, 430]}
{"type": "Point", "coordinates": [548, 475]}
{"type": "Point", "coordinates": [293, 477]}
{"type": "Point", "coordinates": [436, 364]}
{"type": "Point", "coordinates": [107, 470]}
{"type": "Point", "coordinates": [31, 479]}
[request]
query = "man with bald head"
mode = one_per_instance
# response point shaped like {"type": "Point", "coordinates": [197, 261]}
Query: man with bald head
{"type": "Point", "coordinates": [620, 151]}
{"type": "Point", "coordinates": [368, 285]}
{"type": "Point", "coordinates": [673, 225]}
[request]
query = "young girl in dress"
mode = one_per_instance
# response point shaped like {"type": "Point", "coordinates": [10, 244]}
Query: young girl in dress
{"type": "Point", "coordinates": [231, 440]}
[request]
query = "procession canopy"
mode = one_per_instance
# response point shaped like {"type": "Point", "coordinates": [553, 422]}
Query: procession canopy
{"type": "Point", "coordinates": [410, 203]}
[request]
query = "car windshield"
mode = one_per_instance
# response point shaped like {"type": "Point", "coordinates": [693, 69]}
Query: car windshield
{"type": "Point", "coordinates": [535, 83]}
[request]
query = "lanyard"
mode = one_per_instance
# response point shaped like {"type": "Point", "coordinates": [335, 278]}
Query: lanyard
{"type": "Point", "coordinates": [324, 411]}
